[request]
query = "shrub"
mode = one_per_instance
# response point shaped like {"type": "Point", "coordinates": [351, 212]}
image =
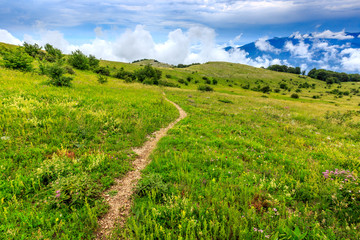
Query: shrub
{"type": "Point", "coordinates": [53, 54]}
{"type": "Point", "coordinates": [214, 81]}
{"type": "Point", "coordinates": [32, 50]}
{"type": "Point", "coordinates": [189, 79]}
{"type": "Point", "coordinates": [69, 70]}
{"type": "Point", "coordinates": [122, 74]}
{"type": "Point", "coordinates": [168, 84]}
{"type": "Point", "coordinates": [266, 89]}
{"type": "Point", "coordinates": [205, 88]}
{"type": "Point", "coordinates": [148, 72]}
{"type": "Point", "coordinates": [56, 73]}
{"type": "Point", "coordinates": [78, 60]}
{"type": "Point", "coordinates": [168, 76]}
{"type": "Point", "coordinates": [294, 95]}
{"type": "Point", "coordinates": [276, 90]}
{"type": "Point", "coordinates": [17, 59]}
{"type": "Point", "coordinates": [94, 63]}
{"type": "Point", "coordinates": [102, 79]}
{"type": "Point", "coordinates": [182, 81]}
{"type": "Point", "coordinates": [225, 101]}
{"type": "Point", "coordinates": [103, 71]}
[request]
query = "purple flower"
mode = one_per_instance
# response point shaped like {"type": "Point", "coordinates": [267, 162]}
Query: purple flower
{"type": "Point", "coordinates": [58, 195]}
{"type": "Point", "coordinates": [58, 191]}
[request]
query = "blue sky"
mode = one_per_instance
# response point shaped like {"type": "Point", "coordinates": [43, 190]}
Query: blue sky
{"type": "Point", "coordinates": [80, 23]}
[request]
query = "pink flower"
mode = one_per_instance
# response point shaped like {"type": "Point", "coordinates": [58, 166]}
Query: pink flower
{"type": "Point", "coordinates": [58, 195]}
{"type": "Point", "coordinates": [58, 191]}
{"type": "Point", "coordinates": [255, 229]}
{"type": "Point", "coordinates": [275, 210]}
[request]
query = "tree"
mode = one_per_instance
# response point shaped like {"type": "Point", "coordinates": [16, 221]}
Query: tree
{"type": "Point", "coordinates": [78, 60]}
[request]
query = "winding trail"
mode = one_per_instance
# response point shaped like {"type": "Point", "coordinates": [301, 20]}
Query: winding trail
{"type": "Point", "coordinates": [121, 203]}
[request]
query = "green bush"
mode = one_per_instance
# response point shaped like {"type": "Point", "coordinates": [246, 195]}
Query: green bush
{"type": "Point", "coordinates": [168, 84]}
{"type": "Point", "coordinates": [78, 60]}
{"type": "Point", "coordinates": [205, 88]}
{"type": "Point", "coordinates": [32, 50]}
{"type": "Point", "coordinates": [103, 71]}
{"type": "Point", "coordinates": [94, 63]}
{"type": "Point", "coordinates": [294, 95]}
{"type": "Point", "coordinates": [148, 72]}
{"type": "Point", "coordinates": [56, 73]}
{"type": "Point", "coordinates": [214, 82]}
{"type": "Point", "coordinates": [123, 74]}
{"type": "Point", "coordinates": [266, 89]}
{"type": "Point", "coordinates": [17, 59]}
{"type": "Point", "coordinates": [102, 79]}
{"type": "Point", "coordinates": [53, 54]}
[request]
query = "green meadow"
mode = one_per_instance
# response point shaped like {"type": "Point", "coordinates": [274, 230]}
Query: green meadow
{"type": "Point", "coordinates": [265, 155]}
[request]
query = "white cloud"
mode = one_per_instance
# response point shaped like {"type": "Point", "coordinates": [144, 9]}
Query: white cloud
{"type": "Point", "coordinates": [351, 59]}
{"type": "Point", "coordinates": [300, 50]}
{"type": "Point", "coordinates": [263, 45]}
{"type": "Point", "coordinates": [7, 37]}
{"type": "Point", "coordinates": [332, 35]}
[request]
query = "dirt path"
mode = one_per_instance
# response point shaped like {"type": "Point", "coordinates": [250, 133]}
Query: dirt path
{"type": "Point", "coordinates": [121, 203]}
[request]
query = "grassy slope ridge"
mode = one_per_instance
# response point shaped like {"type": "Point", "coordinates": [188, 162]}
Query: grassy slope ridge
{"type": "Point", "coordinates": [243, 164]}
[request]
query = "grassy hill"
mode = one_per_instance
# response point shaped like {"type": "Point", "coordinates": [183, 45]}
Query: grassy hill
{"type": "Point", "coordinates": [245, 164]}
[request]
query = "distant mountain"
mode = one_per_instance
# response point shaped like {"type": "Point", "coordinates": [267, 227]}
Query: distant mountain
{"type": "Point", "coordinates": [334, 51]}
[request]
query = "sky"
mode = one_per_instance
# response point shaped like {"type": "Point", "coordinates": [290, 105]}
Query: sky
{"type": "Point", "coordinates": [178, 31]}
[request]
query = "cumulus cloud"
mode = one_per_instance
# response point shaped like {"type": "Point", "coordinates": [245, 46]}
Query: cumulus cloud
{"type": "Point", "coordinates": [263, 45]}
{"type": "Point", "coordinates": [300, 50]}
{"type": "Point", "coordinates": [7, 37]}
{"type": "Point", "coordinates": [332, 35]}
{"type": "Point", "coordinates": [351, 59]}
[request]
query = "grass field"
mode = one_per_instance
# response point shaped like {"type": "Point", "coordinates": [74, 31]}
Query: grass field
{"type": "Point", "coordinates": [245, 164]}
{"type": "Point", "coordinates": [250, 169]}
{"type": "Point", "coordinates": [61, 147]}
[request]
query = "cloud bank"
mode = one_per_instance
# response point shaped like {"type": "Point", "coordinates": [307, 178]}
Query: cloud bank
{"type": "Point", "coordinates": [198, 45]}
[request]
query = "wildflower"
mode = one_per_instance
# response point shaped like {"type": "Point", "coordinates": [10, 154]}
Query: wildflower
{"type": "Point", "coordinates": [58, 191]}
{"type": "Point", "coordinates": [58, 195]}
{"type": "Point", "coordinates": [267, 236]}
{"type": "Point", "coordinates": [275, 210]}
{"type": "Point", "coordinates": [260, 230]}
{"type": "Point", "coordinates": [255, 229]}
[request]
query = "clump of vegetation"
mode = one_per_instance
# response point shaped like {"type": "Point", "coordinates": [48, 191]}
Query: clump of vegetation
{"type": "Point", "coordinates": [102, 71]}
{"type": "Point", "coordinates": [79, 60]}
{"type": "Point", "coordinates": [294, 95]}
{"type": "Point", "coordinates": [53, 54]}
{"type": "Point", "coordinates": [57, 78]}
{"type": "Point", "coordinates": [284, 68]}
{"type": "Point", "coordinates": [168, 84]}
{"type": "Point", "coordinates": [331, 77]}
{"type": "Point", "coordinates": [102, 79]}
{"type": "Point", "coordinates": [205, 88]}
{"type": "Point", "coordinates": [33, 50]}
{"type": "Point", "coordinates": [148, 75]}
{"type": "Point", "coordinates": [17, 59]}
{"type": "Point", "coordinates": [225, 101]}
